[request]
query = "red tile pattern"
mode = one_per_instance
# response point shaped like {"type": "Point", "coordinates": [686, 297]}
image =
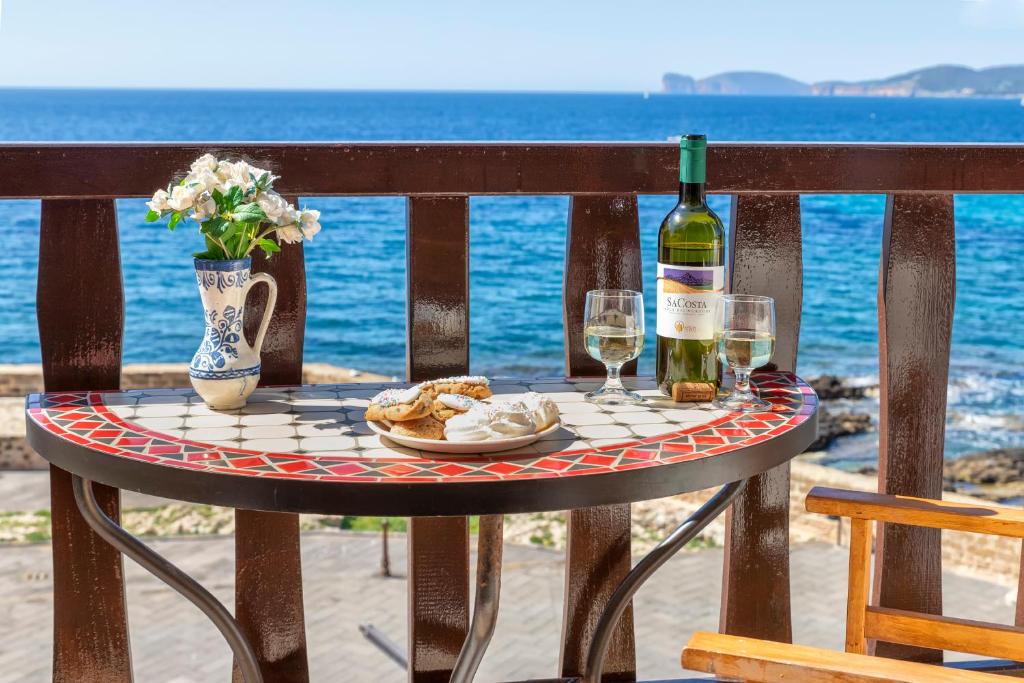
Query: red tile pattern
{"type": "Point", "coordinates": [91, 419]}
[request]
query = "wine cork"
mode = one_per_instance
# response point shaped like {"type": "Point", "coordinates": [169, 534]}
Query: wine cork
{"type": "Point", "coordinates": [693, 392]}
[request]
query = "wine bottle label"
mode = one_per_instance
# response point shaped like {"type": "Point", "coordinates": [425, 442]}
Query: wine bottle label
{"type": "Point", "coordinates": [687, 296]}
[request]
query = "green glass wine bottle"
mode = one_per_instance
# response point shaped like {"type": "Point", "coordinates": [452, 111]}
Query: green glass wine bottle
{"type": "Point", "coordinates": [691, 279]}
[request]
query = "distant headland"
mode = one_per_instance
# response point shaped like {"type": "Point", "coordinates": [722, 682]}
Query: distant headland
{"type": "Point", "coordinates": [932, 81]}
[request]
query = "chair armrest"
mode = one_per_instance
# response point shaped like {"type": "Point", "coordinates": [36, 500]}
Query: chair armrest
{"type": "Point", "coordinates": [764, 661]}
{"type": "Point", "coordinates": [938, 514]}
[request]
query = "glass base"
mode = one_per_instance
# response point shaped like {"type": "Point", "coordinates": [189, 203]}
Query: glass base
{"type": "Point", "coordinates": [611, 396]}
{"type": "Point", "coordinates": [744, 403]}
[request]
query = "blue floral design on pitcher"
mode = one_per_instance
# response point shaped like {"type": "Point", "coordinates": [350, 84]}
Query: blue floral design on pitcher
{"type": "Point", "coordinates": [220, 343]}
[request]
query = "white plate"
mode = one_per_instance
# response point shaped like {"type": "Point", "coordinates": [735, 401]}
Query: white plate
{"type": "Point", "coordinates": [462, 447]}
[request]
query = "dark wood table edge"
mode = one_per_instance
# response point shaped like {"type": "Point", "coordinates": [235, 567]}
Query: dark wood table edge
{"type": "Point", "coordinates": [423, 499]}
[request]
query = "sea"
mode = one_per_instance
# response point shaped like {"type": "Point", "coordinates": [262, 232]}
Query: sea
{"type": "Point", "coordinates": [356, 268]}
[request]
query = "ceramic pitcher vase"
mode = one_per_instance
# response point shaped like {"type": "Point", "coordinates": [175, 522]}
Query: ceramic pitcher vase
{"type": "Point", "coordinates": [225, 369]}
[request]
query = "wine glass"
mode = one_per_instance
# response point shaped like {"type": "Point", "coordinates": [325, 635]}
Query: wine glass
{"type": "Point", "coordinates": [613, 329]}
{"type": "Point", "coordinates": [745, 335]}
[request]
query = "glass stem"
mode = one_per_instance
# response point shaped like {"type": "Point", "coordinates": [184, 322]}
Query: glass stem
{"type": "Point", "coordinates": [742, 382]}
{"type": "Point", "coordinates": [614, 382]}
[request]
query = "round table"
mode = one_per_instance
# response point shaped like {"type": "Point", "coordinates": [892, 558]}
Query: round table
{"type": "Point", "coordinates": [307, 449]}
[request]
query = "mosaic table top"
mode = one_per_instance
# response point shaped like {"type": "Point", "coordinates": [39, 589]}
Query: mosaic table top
{"type": "Point", "coordinates": [317, 433]}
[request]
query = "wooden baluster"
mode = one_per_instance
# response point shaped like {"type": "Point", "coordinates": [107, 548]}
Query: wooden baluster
{"type": "Point", "coordinates": [602, 252]}
{"type": "Point", "coordinates": [858, 584]}
{"type": "Point", "coordinates": [765, 255]}
{"type": "Point", "coordinates": [80, 304]}
{"type": "Point", "coordinates": [916, 291]}
{"type": "Point", "coordinates": [268, 566]}
{"type": "Point", "coordinates": [437, 258]}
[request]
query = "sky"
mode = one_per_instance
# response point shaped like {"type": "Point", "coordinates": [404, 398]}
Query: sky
{"type": "Point", "coordinates": [579, 45]}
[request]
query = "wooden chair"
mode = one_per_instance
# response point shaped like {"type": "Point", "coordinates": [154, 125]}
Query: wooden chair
{"type": "Point", "coordinates": [750, 659]}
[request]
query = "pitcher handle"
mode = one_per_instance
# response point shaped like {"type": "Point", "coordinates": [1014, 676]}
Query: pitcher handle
{"type": "Point", "coordinates": [268, 311]}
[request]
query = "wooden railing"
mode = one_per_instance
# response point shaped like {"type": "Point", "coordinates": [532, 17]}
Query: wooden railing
{"type": "Point", "coordinates": [80, 307]}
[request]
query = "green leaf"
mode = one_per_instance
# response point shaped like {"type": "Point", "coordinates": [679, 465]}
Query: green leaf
{"type": "Point", "coordinates": [214, 226]}
{"type": "Point", "coordinates": [152, 216]}
{"type": "Point", "coordinates": [218, 197]}
{"type": "Point", "coordinates": [269, 247]}
{"type": "Point", "coordinates": [175, 219]}
{"type": "Point", "coordinates": [248, 213]}
{"type": "Point", "coordinates": [234, 197]}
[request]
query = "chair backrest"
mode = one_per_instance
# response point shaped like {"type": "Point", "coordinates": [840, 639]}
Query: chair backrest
{"type": "Point", "coordinates": [865, 622]}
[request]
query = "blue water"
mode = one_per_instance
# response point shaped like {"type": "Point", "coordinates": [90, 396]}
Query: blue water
{"type": "Point", "coordinates": [356, 267]}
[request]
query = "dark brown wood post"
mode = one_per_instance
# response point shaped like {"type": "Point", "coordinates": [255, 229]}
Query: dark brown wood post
{"type": "Point", "coordinates": [916, 292]}
{"type": "Point", "coordinates": [765, 257]}
{"type": "Point", "coordinates": [437, 258]}
{"type": "Point", "coordinates": [602, 252]}
{"type": "Point", "coordinates": [80, 305]}
{"type": "Point", "coordinates": [268, 566]}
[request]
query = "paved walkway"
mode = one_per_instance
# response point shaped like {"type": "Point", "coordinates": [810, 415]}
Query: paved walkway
{"type": "Point", "coordinates": [173, 643]}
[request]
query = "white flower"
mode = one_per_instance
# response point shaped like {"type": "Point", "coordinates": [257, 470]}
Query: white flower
{"type": "Point", "coordinates": [204, 207]}
{"type": "Point", "coordinates": [289, 234]}
{"type": "Point", "coordinates": [273, 204]}
{"type": "Point", "coordinates": [207, 162]}
{"type": "Point", "coordinates": [183, 196]}
{"type": "Point", "coordinates": [289, 216]}
{"type": "Point", "coordinates": [159, 201]}
{"type": "Point", "coordinates": [205, 177]}
{"type": "Point", "coordinates": [309, 223]}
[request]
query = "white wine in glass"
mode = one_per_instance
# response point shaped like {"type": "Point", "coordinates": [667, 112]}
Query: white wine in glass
{"type": "Point", "coordinates": [614, 334]}
{"type": "Point", "coordinates": [745, 335]}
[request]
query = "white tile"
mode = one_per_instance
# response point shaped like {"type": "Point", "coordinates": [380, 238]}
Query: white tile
{"type": "Point", "coordinates": [656, 429]}
{"type": "Point", "coordinates": [311, 395]}
{"type": "Point", "coordinates": [359, 393]}
{"type": "Point", "coordinates": [506, 389]}
{"type": "Point", "coordinates": [587, 386]}
{"type": "Point", "coordinates": [570, 407]}
{"type": "Point", "coordinates": [161, 410]}
{"type": "Point", "coordinates": [601, 443]}
{"type": "Point", "coordinates": [562, 433]}
{"type": "Point", "coordinates": [372, 441]}
{"type": "Point", "coordinates": [212, 420]}
{"type": "Point", "coordinates": [203, 409]}
{"type": "Point", "coordinates": [639, 407]}
{"type": "Point", "coordinates": [274, 445]}
{"type": "Point", "coordinates": [214, 434]}
{"type": "Point", "coordinates": [268, 419]}
{"type": "Point", "coordinates": [225, 444]}
{"type": "Point", "coordinates": [266, 408]}
{"type": "Point", "coordinates": [642, 418]}
{"type": "Point", "coordinates": [688, 416]}
{"type": "Point", "coordinates": [123, 411]}
{"type": "Point", "coordinates": [604, 432]}
{"type": "Point", "coordinates": [265, 395]}
{"type": "Point", "coordinates": [355, 402]}
{"type": "Point", "coordinates": [159, 423]}
{"type": "Point", "coordinates": [327, 443]}
{"type": "Point", "coordinates": [324, 429]}
{"type": "Point", "coordinates": [175, 433]}
{"type": "Point", "coordinates": [268, 432]}
{"type": "Point", "coordinates": [314, 406]}
{"type": "Point", "coordinates": [587, 419]}
{"type": "Point", "coordinates": [564, 396]}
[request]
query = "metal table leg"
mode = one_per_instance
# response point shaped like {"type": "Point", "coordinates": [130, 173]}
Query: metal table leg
{"type": "Point", "coordinates": [643, 570]}
{"type": "Point", "coordinates": [488, 587]}
{"type": "Point", "coordinates": [169, 574]}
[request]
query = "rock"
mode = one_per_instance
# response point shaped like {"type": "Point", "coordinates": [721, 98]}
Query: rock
{"type": "Point", "coordinates": [999, 466]}
{"type": "Point", "coordinates": [832, 425]}
{"type": "Point", "coordinates": [831, 387]}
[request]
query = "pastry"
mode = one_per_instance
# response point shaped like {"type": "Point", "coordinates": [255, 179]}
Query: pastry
{"type": "Point", "coordinates": [422, 428]}
{"type": "Point", "coordinates": [542, 408]}
{"type": "Point", "coordinates": [474, 387]}
{"type": "Point", "coordinates": [447, 406]}
{"type": "Point", "coordinates": [399, 405]}
{"type": "Point", "coordinates": [484, 422]}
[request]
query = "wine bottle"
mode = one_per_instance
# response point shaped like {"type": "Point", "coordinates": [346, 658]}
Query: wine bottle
{"type": "Point", "coordinates": [691, 279]}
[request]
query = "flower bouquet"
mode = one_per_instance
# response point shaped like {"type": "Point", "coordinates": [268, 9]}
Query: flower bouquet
{"type": "Point", "coordinates": [237, 211]}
